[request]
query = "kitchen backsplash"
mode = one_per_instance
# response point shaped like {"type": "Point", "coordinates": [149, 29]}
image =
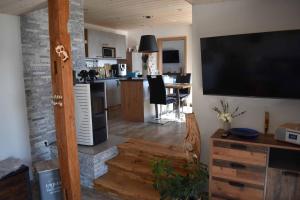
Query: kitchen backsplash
{"type": "Point", "coordinates": [99, 62]}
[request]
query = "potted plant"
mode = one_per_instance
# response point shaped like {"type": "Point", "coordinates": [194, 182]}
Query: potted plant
{"type": "Point", "coordinates": [192, 184]}
{"type": "Point", "coordinates": [225, 115]}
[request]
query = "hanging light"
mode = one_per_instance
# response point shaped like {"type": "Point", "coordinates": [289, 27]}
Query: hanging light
{"type": "Point", "coordinates": [148, 44]}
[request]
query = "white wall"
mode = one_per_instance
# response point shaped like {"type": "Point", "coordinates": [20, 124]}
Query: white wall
{"type": "Point", "coordinates": [174, 45]}
{"type": "Point", "coordinates": [14, 133]}
{"type": "Point", "coordinates": [236, 17]}
{"type": "Point", "coordinates": [164, 31]}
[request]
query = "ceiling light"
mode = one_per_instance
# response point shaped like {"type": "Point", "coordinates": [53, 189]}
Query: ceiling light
{"type": "Point", "coordinates": [147, 16]}
{"type": "Point", "coordinates": [148, 44]}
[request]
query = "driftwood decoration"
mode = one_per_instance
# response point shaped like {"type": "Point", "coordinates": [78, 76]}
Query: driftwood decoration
{"type": "Point", "coordinates": [192, 138]}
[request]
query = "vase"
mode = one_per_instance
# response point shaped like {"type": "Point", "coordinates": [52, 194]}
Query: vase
{"type": "Point", "coordinates": [226, 126]}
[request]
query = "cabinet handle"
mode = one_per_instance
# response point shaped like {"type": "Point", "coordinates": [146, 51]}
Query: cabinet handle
{"type": "Point", "coordinates": [238, 146]}
{"type": "Point", "coordinates": [235, 184]}
{"type": "Point", "coordinates": [237, 166]}
{"type": "Point", "coordinates": [289, 173]}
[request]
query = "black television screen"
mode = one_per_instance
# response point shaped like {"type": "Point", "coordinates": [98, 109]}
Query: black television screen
{"type": "Point", "coordinates": [170, 56]}
{"type": "Point", "coordinates": [259, 64]}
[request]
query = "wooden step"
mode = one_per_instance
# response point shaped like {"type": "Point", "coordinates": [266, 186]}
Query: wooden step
{"type": "Point", "coordinates": [150, 150]}
{"type": "Point", "coordinates": [125, 187]}
{"type": "Point", "coordinates": [133, 167]}
{"type": "Point", "coordinates": [130, 175]}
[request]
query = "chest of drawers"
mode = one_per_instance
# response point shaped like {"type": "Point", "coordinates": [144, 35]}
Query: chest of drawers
{"type": "Point", "coordinates": [239, 169]}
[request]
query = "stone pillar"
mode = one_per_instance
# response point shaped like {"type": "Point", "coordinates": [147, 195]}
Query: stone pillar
{"type": "Point", "coordinates": [37, 72]}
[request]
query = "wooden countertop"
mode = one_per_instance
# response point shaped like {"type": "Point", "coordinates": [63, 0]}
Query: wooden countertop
{"type": "Point", "coordinates": [266, 140]}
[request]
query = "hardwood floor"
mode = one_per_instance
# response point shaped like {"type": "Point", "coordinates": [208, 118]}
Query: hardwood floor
{"type": "Point", "coordinates": [170, 133]}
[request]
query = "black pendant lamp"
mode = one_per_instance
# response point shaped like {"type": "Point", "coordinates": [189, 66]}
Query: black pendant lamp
{"type": "Point", "coordinates": [148, 44]}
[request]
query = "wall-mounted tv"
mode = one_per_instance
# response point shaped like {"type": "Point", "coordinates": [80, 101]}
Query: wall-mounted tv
{"type": "Point", "coordinates": [259, 64]}
{"type": "Point", "coordinates": [170, 56]}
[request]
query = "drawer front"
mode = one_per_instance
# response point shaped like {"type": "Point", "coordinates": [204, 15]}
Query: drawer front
{"type": "Point", "coordinates": [239, 153]}
{"type": "Point", "coordinates": [239, 172]}
{"type": "Point", "coordinates": [235, 190]}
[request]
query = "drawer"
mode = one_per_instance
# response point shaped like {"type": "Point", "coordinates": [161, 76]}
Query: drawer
{"type": "Point", "coordinates": [235, 190]}
{"type": "Point", "coordinates": [240, 153]}
{"type": "Point", "coordinates": [239, 172]}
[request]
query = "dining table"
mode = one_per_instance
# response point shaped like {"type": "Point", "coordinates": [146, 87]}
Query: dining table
{"type": "Point", "coordinates": [177, 87]}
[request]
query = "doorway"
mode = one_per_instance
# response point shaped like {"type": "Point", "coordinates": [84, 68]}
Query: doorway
{"type": "Point", "coordinates": [172, 55]}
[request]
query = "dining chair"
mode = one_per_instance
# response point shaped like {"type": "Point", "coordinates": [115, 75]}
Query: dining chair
{"type": "Point", "coordinates": [158, 94]}
{"type": "Point", "coordinates": [183, 93]}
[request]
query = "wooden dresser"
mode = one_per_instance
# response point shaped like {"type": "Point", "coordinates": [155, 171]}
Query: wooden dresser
{"type": "Point", "coordinates": [253, 169]}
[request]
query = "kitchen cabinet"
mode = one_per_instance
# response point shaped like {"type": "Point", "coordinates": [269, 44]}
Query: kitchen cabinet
{"type": "Point", "coordinates": [120, 46]}
{"type": "Point", "coordinates": [98, 39]}
{"type": "Point", "coordinates": [113, 92]}
{"type": "Point", "coordinates": [94, 47]}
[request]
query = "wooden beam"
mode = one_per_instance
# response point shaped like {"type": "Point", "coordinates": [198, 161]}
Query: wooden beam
{"type": "Point", "coordinates": [62, 84]}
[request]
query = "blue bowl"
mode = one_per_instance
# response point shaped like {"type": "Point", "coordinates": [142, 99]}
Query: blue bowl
{"type": "Point", "coordinates": [245, 133]}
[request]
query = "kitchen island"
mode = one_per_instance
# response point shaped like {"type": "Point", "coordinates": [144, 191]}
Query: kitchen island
{"type": "Point", "coordinates": [135, 100]}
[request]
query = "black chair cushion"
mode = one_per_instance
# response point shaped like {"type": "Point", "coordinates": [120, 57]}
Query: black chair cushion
{"type": "Point", "coordinates": [170, 100]}
{"type": "Point", "coordinates": [181, 96]}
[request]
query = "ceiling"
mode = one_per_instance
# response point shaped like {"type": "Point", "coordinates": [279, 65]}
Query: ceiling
{"type": "Point", "coordinates": [129, 14]}
{"type": "Point", "coordinates": [205, 1]}
{"type": "Point", "coordinates": [18, 7]}
{"type": "Point", "coordinates": [120, 14]}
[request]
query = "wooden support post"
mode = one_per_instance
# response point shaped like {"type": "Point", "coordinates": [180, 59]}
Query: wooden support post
{"type": "Point", "coordinates": [62, 87]}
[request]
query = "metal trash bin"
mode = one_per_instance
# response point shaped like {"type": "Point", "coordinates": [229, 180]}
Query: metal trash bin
{"type": "Point", "coordinates": [49, 180]}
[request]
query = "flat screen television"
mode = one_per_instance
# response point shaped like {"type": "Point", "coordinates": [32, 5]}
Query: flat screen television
{"type": "Point", "coordinates": [259, 65]}
{"type": "Point", "coordinates": [170, 56]}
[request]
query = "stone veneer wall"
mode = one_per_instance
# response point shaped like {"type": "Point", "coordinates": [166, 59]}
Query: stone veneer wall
{"type": "Point", "coordinates": [92, 166]}
{"type": "Point", "coordinates": [37, 72]}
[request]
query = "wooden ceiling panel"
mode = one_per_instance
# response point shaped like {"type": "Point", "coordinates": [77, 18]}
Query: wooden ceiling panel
{"type": "Point", "coordinates": [128, 14]}
{"type": "Point", "coordinates": [206, 1]}
{"type": "Point", "coordinates": [120, 14]}
{"type": "Point", "coordinates": [18, 7]}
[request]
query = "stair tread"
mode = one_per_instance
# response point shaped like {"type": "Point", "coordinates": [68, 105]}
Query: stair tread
{"type": "Point", "coordinates": [126, 187]}
{"type": "Point", "coordinates": [160, 150]}
{"type": "Point", "coordinates": [131, 164]}
{"type": "Point", "coordinates": [130, 173]}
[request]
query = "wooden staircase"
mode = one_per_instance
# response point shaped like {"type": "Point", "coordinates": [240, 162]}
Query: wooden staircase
{"type": "Point", "coordinates": [130, 175]}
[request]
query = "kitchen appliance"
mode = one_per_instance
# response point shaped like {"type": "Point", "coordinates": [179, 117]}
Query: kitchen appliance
{"type": "Point", "coordinates": [91, 113]}
{"type": "Point", "coordinates": [119, 70]}
{"type": "Point", "coordinates": [288, 132]}
{"type": "Point", "coordinates": [114, 70]}
{"type": "Point", "coordinates": [108, 52]}
{"type": "Point", "coordinates": [122, 69]}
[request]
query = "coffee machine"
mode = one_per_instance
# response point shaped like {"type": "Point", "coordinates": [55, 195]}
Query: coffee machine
{"type": "Point", "coordinates": [122, 69]}
{"type": "Point", "coordinates": [119, 70]}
